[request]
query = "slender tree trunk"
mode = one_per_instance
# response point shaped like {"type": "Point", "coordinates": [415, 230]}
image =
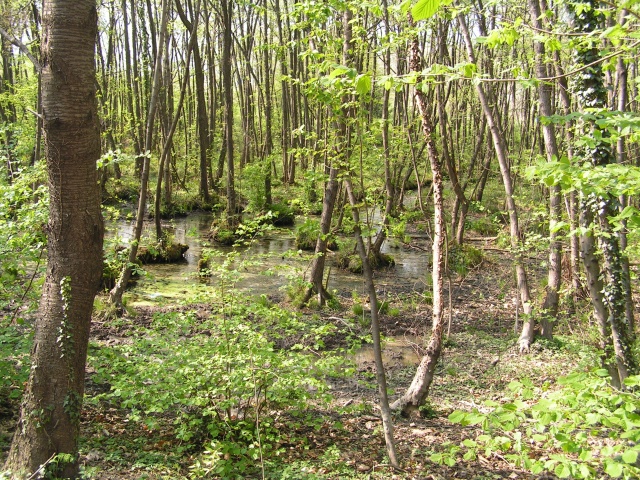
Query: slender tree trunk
{"type": "Point", "coordinates": [117, 291]}
{"type": "Point", "coordinates": [385, 411]}
{"type": "Point", "coordinates": [318, 264]}
{"type": "Point", "coordinates": [526, 336]}
{"type": "Point", "coordinates": [174, 124]}
{"type": "Point", "coordinates": [340, 153]}
{"type": "Point", "coordinates": [227, 16]}
{"type": "Point", "coordinates": [388, 178]}
{"type": "Point", "coordinates": [49, 424]}
{"type": "Point", "coordinates": [268, 107]}
{"type": "Point", "coordinates": [418, 391]}
{"type": "Point", "coordinates": [550, 304]}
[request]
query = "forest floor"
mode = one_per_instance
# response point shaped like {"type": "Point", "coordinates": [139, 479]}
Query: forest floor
{"type": "Point", "coordinates": [478, 363]}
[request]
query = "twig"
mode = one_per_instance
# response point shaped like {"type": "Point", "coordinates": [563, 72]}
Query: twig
{"type": "Point", "coordinates": [23, 48]}
{"type": "Point", "coordinates": [481, 239]}
{"type": "Point", "coordinates": [35, 113]}
{"type": "Point", "coordinates": [388, 465]}
{"type": "Point", "coordinates": [35, 272]}
{"type": "Point", "coordinates": [42, 467]}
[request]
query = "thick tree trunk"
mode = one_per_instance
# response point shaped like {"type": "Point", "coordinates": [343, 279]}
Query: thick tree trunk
{"type": "Point", "coordinates": [417, 392]}
{"type": "Point", "coordinates": [623, 98]}
{"type": "Point", "coordinates": [596, 211]}
{"type": "Point", "coordinates": [52, 403]}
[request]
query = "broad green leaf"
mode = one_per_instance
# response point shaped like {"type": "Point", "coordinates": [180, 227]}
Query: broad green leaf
{"type": "Point", "coordinates": [425, 9]}
{"type": "Point", "coordinates": [363, 84]}
{"type": "Point", "coordinates": [457, 416]}
{"type": "Point", "coordinates": [468, 70]}
{"type": "Point", "coordinates": [613, 468]}
{"type": "Point", "coordinates": [562, 470]}
{"type": "Point", "coordinates": [634, 380]}
{"type": "Point", "coordinates": [630, 456]}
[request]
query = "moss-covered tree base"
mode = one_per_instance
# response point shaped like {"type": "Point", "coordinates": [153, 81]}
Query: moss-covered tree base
{"type": "Point", "coordinates": [174, 252]}
{"type": "Point", "coordinates": [353, 263]}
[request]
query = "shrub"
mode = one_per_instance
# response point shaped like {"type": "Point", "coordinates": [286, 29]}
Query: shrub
{"type": "Point", "coordinates": [224, 387]}
{"type": "Point", "coordinates": [463, 258]}
{"type": "Point", "coordinates": [562, 432]}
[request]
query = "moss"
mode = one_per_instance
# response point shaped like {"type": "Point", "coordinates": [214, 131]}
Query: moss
{"type": "Point", "coordinates": [353, 263]}
{"type": "Point", "coordinates": [283, 215]}
{"type": "Point", "coordinates": [224, 236]}
{"type": "Point", "coordinates": [171, 253]}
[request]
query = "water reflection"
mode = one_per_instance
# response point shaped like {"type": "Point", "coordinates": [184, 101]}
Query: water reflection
{"type": "Point", "coordinates": [265, 266]}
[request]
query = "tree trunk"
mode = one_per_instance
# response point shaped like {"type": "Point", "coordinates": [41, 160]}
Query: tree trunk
{"type": "Point", "coordinates": [340, 153]}
{"type": "Point", "coordinates": [174, 124]}
{"type": "Point", "coordinates": [550, 303]}
{"type": "Point", "coordinates": [227, 15]}
{"type": "Point", "coordinates": [117, 291]}
{"type": "Point", "coordinates": [417, 392]}
{"type": "Point", "coordinates": [592, 93]}
{"type": "Point", "coordinates": [50, 417]}
{"type": "Point", "coordinates": [387, 421]}
{"type": "Point", "coordinates": [526, 337]}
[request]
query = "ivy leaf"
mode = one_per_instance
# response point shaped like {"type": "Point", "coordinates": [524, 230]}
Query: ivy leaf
{"type": "Point", "coordinates": [425, 9]}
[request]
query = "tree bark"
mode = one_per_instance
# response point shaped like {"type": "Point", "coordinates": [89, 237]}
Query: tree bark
{"type": "Point", "coordinates": [597, 210]}
{"type": "Point", "coordinates": [417, 392]}
{"type": "Point", "coordinates": [227, 15]}
{"type": "Point", "coordinates": [550, 303]}
{"type": "Point", "coordinates": [117, 291]}
{"type": "Point", "coordinates": [51, 407]}
{"type": "Point", "coordinates": [526, 337]}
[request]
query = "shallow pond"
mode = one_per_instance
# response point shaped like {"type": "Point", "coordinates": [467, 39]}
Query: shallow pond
{"type": "Point", "coordinates": [266, 266]}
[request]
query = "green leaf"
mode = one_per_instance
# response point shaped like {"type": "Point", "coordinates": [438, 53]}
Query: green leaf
{"type": "Point", "coordinates": [613, 468]}
{"type": "Point", "coordinates": [562, 470]}
{"type": "Point", "coordinates": [630, 457]}
{"type": "Point", "coordinates": [425, 9]}
{"type": "Point", "coordinates": [457, 416]}
{"type": "Point", "coordinates": [468, 69]}
{"type": "Point", "coordinates": [363, 84]}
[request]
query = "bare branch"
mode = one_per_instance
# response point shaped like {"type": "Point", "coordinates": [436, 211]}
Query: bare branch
{"type": "Point", "coordinates": [23, 48]}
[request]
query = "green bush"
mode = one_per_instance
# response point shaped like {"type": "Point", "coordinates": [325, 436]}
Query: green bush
{"type": "Point", "coordinates": [586, 429]}
{"type": "Point", "coordinates": [223, 387]}
{"type": "Point", "coordinates": [253, 188]}
{"type": "Point", "coordinates": [283, 215]}
{"type": "Point", "coordinates": [463, 258]}
{"type": "Point", "coordinates": [307, 236]}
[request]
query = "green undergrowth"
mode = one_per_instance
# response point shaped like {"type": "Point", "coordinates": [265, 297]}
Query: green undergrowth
{"type": "Point", "coordinates": [583, 429]}
{"type": "Point", "coordinates": [216, 385]}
